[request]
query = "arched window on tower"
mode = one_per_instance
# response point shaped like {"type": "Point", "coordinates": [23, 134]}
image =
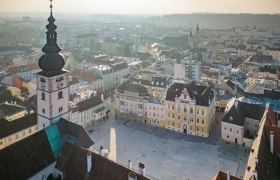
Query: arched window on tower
{"type": "Point", "coordinates": [43, 96]}
{"type": "Point", "coordinates": [60, 95]}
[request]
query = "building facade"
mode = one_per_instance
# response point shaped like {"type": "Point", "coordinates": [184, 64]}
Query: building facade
{"type": "Point", "coordinates": [190, 108]}
{"type": "Point", "coordinates": [129, 101]}
{"type": "Point", "coordinates": [187, 70]}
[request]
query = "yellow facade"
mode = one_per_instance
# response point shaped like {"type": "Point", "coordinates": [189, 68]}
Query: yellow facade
{"type": "Point", "coordinates": [13, 138]}
{"type": "Point", "coordinates": [14, 91]}
{"type": "Point", "coordinates": [15, 116]}
{"type": "Point", "coordinates": [198, 119]}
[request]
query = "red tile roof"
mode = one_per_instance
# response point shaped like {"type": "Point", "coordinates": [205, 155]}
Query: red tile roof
{"type": "Point", "coordinates": [27, 67]}
{"type": "Point", "coordinates": [84, 76]}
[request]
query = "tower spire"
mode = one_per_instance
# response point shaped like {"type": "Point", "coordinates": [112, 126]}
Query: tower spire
{"type": "Point", "coordinates": [52, 60]}
{"type": "Point", "coordinates": [51, 6]}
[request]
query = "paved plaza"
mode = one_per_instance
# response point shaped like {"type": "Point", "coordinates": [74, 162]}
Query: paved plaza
{"type": "Point", "coordinates": [168, 155]}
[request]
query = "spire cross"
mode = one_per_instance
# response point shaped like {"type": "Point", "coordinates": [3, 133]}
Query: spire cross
{"type": "Point", "coordinates": [51, 6]}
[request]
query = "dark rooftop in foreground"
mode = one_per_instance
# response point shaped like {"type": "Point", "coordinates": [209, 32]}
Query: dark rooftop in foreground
{"type": "Point", "coordinates": [73, 163]}
{"type": "Point", "coordinates": [23, 159]}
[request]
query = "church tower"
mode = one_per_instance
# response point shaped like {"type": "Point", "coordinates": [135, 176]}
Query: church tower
{"type": "Point", "coordinates": [52, 81]}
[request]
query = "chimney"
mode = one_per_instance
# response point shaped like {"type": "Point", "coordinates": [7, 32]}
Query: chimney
{"type": "Point", "coordinates": [228, 175]}
{"type": "Point", "coordinates": [236, 103]}
{"type": "Point", "coordinates": [132, 176]}
{"type": "Point", "coordinates": [255, 175]}
{"type": "Point", "coordinates": [89, 162]}
{"type": "Point", "coordinates": [271, 141]}
{"type": "Point", "coordinates": [141, 169]}
{"type": "Point", "coordinates": [256, 161]}
{"type": "Point", "coordinates": [102, 97]}
{"type": "Point", "coordinates": [129, 164]}
{"type": "Point", "coordinates": [101, 151]}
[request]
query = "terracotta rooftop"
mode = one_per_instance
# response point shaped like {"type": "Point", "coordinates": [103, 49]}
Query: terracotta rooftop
{"type": "Point", "coordinates": [27, 67]}
{"type": "Point", "coordinates": [84, 76]}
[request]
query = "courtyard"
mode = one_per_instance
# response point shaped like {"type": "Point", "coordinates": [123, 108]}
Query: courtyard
{"type": "Point", "coordinates": [168, 155]}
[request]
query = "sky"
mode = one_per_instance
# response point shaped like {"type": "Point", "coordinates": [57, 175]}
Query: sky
{"type": "Point", "coordinates": [143, 6]}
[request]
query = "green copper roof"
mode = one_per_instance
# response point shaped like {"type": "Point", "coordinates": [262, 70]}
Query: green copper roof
{"type": "Point", "coordinates": [54, 139]}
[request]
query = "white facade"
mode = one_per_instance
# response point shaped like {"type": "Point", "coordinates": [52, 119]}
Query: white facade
{"type": "Point", "coordinates": [92, 114]}
{"type": "Point", "coordinates": [130, 105]}
{"type": "Point", "coordinates": [154, 112]}
{"type": "Point", "coordinates": [52, 99]}
{"type": "Point", "coordinates": [187, 70]}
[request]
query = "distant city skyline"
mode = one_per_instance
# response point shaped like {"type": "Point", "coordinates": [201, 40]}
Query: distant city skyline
{"type": "Point", "coordinates": [144, 6]}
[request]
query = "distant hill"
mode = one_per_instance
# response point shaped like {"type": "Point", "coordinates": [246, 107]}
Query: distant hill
{"type": "Point", "coordinates": [223, 20]}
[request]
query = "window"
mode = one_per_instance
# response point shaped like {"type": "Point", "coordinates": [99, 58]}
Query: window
{"type": "Point", "coordinates": [60, 95]}
{"type": "Point", "coordinates": [191, 110]}
{"type": "Point", "coordinates": [59, 79]}
{"type": "Point", "coordinates": [173, 107]}
{"type": "Point", "coordinates": [237, 131]}
{"type": "Point", "coordinates": [43, 96]}
{"type": "Point", "coordinates": [179, 117]}
{"type": "Point", "coordinates": [230, 129]}
{"type": "Point", "coordinates": [197, 111]}
{"type": "Point", "coordinates": [42, 79]}
{"type": "Point", "coordinates": [185, 118]}
{"type": "Point", "coordinates": [225, 128]}
{"type": "Point", "coordinates": [173, 115]}
{"type": "Point", "coordinates": [185, 109]}
{"type": "Point", "coordinates": [43, 110]}
{"type": "Point", "coordinates": [190, 127]}
{"type": "Point", "coordinates": [256, 125]}
{"type": "Point", "coordinates": [168, 106]}
{"type": "Point", "coordinates": [202, 112]}
{"type": "Point", "coordinates": [197, 120]}
{"type": "Point", "coordinates": [227, 136]}
{"type": "Point", "coordinates": [197, 128]}
{"type": "Point", "coordinates": [122, 103]}
{"type": "Point", "coordinates": [60, 109]}
{"type": "Point", "coordinates": [168, 114]}
{"type": "Point", "coordinates": [1, 142]}
{"type": "Point", "coordinates": [202, 121]}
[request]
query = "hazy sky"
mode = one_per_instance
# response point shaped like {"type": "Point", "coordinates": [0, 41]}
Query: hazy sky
{"type": "Point", "coordinates": [143, 6]}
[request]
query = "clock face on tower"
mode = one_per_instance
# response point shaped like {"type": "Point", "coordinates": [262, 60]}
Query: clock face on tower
{"type": "Point", "coordinates": [59, 85]}
{"type": "Point", "coordinates": [43, 85]}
